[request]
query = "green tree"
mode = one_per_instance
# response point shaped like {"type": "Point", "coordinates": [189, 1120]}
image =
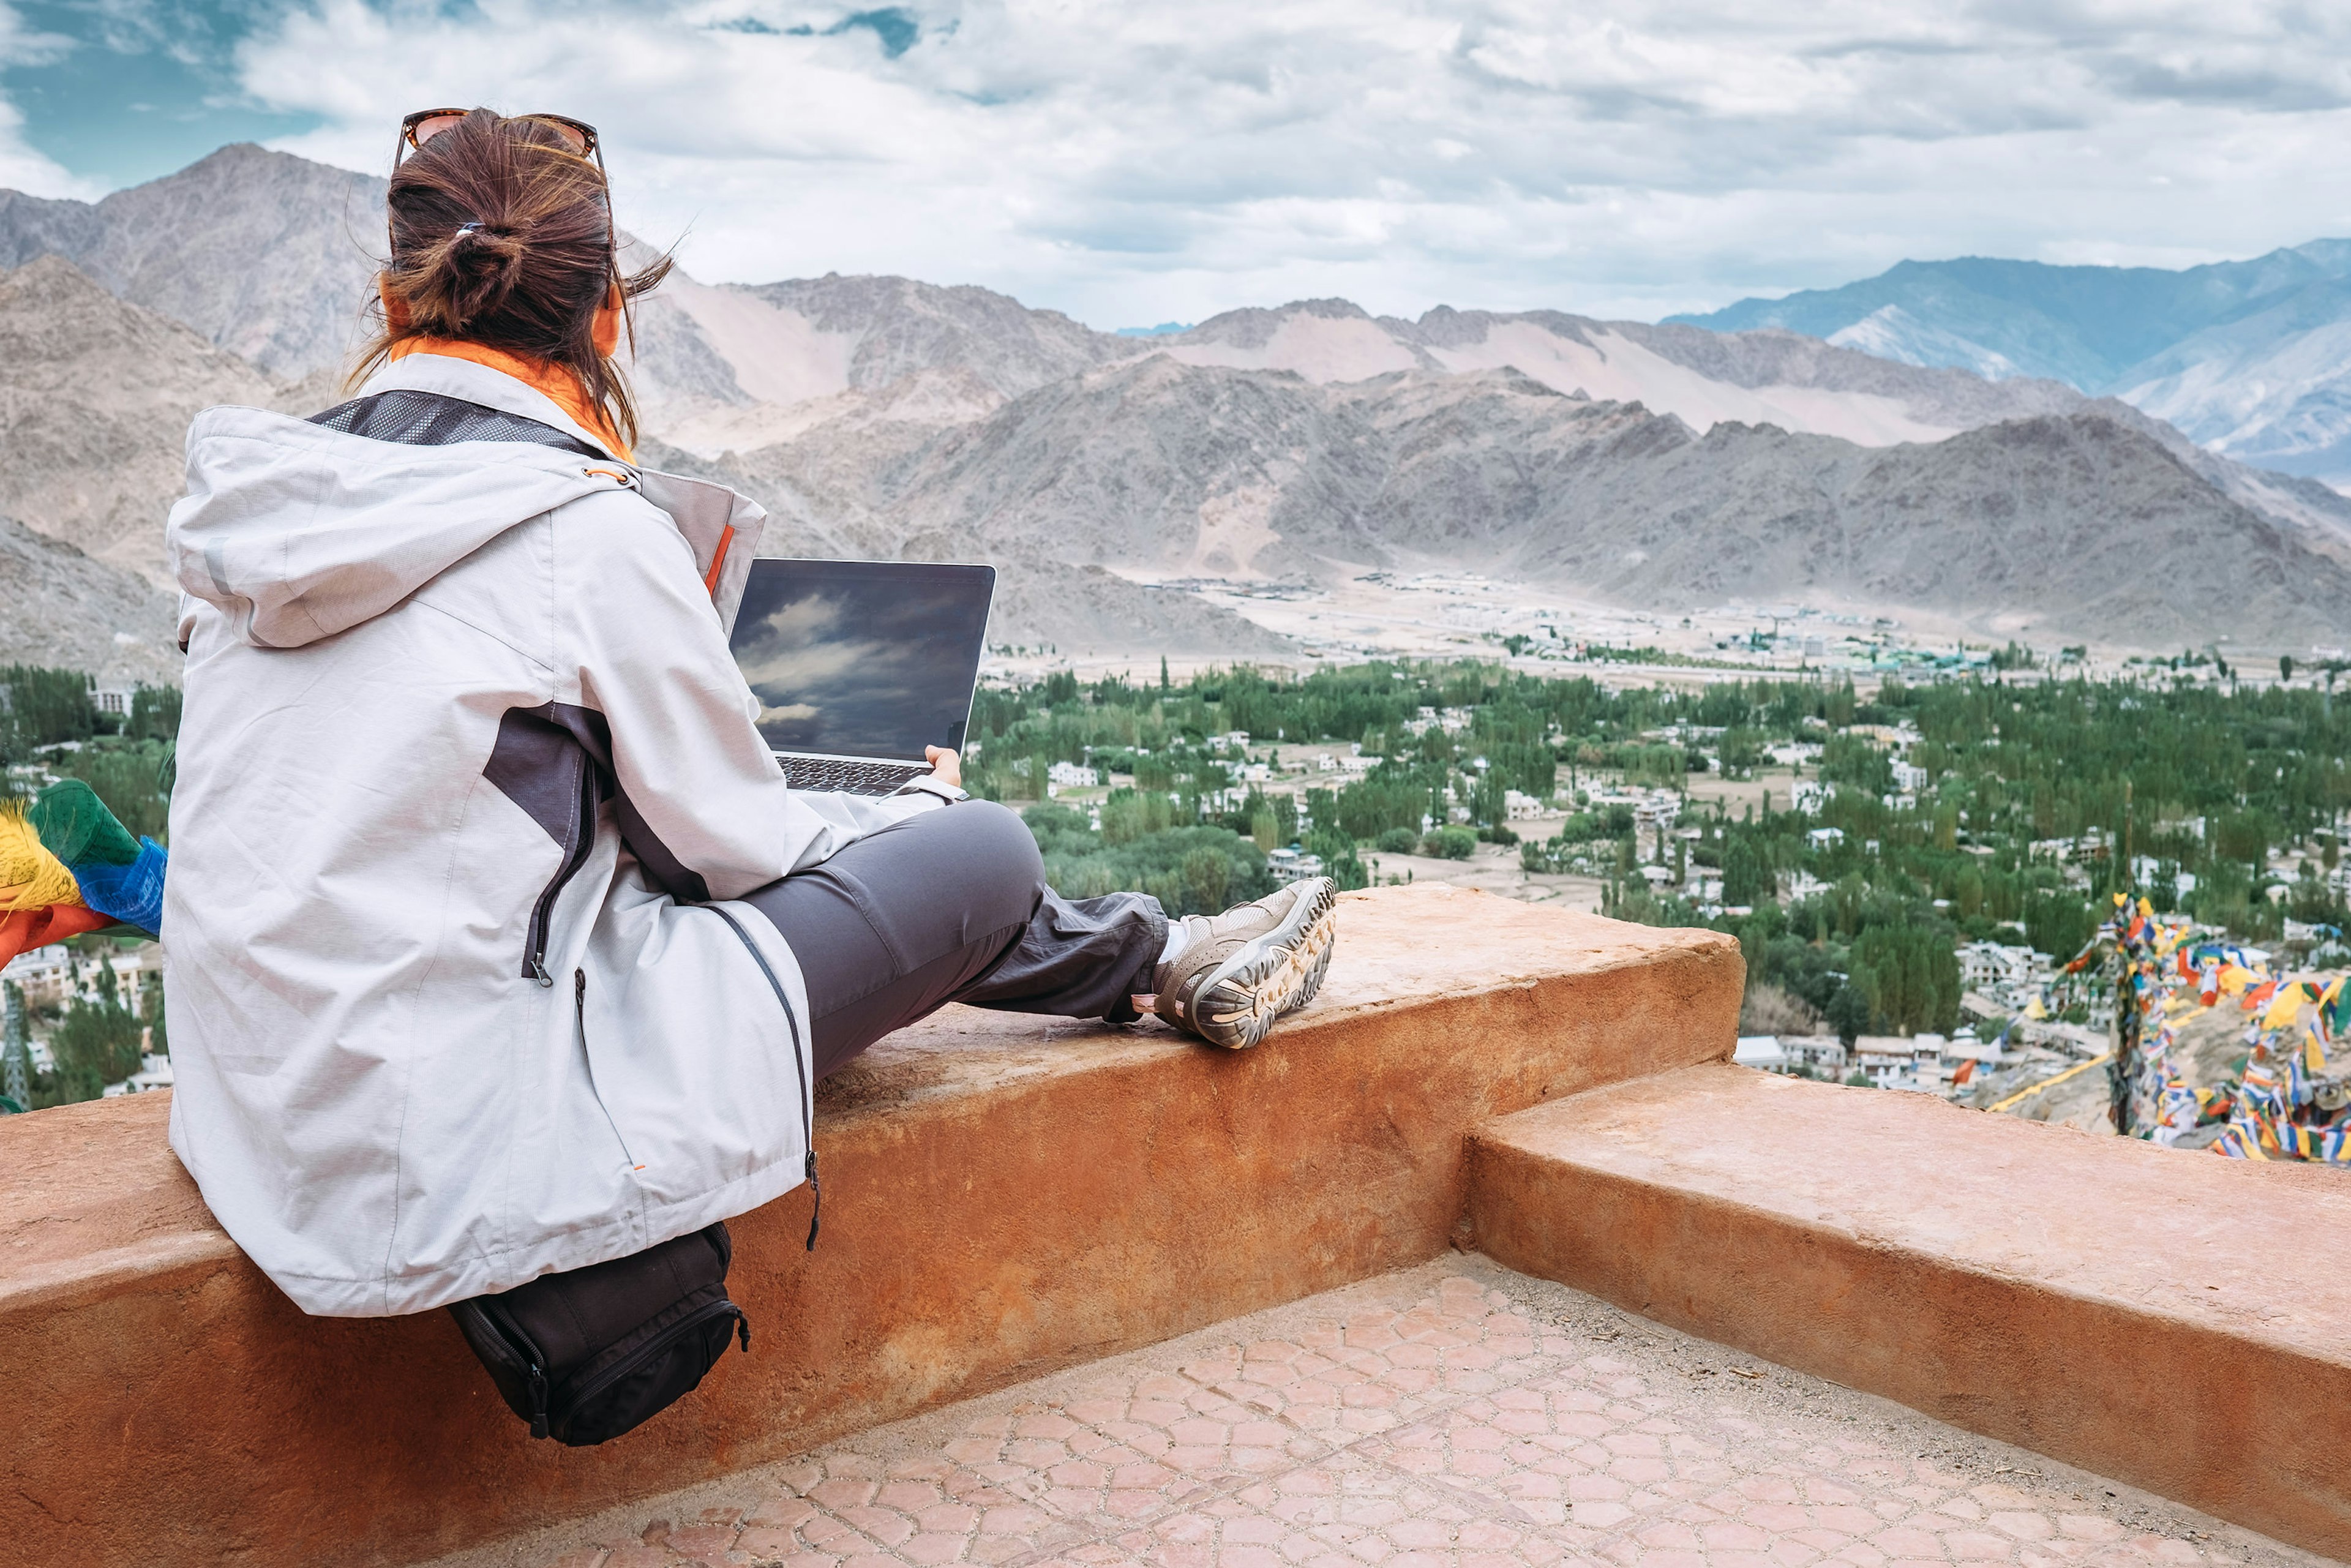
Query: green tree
{"type": "Point", "coordinates": [154, 713]}
{"type": "Point", "coordinates": [95, 1044]}
{"type": "Point", "coordinates": [1747, 876]}
{"type": "Point", "coordinates": [1910, 976]}
{"type": "Point", "coordinates": [151, 1013]}
{"type": "Point", "coordinates": [1451, 842]}
{"type": "Point", "coordinates": [46, 706]}
{"type": "Point", "coordinates": [129, 777]}
{"type": "Point", "coordinates": [1848, 1014]}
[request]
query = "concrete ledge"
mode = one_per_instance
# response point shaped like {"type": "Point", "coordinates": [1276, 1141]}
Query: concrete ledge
{"type": "Point", "coordinates": [2177, 1320]}
{"type": "Point", "coordinates": [1004, 1196]}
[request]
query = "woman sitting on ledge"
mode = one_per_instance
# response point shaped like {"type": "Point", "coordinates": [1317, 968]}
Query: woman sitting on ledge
{"type": "Point", "coordinates": [497, 945]}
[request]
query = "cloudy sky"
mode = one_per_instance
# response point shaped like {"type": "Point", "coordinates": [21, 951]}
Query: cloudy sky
{"type": "Point", "coordinates": [1133, 162]}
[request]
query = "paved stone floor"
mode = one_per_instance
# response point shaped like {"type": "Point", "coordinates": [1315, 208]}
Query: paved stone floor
{"type": "Point", "coordinates": [1453, 1415]}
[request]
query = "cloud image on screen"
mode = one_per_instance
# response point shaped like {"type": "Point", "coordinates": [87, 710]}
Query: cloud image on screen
{"type": "Point", "coordinates": [862, 660]}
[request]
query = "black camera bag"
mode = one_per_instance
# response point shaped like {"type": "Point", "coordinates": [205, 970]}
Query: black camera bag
{"type": "Point", "coordinates": [587, 1355]}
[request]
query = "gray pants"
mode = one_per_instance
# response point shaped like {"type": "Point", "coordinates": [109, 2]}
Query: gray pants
{"type": "Point", "coordinates": [951, 906]}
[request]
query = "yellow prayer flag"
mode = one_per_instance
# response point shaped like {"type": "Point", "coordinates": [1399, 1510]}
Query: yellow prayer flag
{"type": "Point", "coordinates": [30, 877]}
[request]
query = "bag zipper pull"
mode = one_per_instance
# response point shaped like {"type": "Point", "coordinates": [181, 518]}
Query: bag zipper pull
{"type": "Point", "coordinates": [539, 970]}
{"type": "Point", "coordinates": [815, 1212]}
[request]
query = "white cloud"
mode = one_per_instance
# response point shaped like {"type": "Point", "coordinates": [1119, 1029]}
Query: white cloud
{"type": "Point", "coordinates": [21, 167]}
{"type": "Point", "coordinates": [1137, 164]}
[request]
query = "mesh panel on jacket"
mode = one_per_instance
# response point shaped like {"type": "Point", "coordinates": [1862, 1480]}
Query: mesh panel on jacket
{"type": "Point", "coordinates": [430, 419]}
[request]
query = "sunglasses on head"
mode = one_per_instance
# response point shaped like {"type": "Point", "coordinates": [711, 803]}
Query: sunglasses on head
{"type": "Point", "coordinates": [423, 126]}
{"type": "Point", "coordinates": [577, 136]}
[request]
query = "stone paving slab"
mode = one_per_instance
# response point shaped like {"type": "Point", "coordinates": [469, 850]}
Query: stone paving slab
{"type": "Point", "coordinates": [1455, 1415]}
{"type": "Point", "coordinates": [2125, 1309]}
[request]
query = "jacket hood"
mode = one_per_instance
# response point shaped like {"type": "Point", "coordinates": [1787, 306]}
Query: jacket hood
{"type": "Point", "coordinates": [297, 532]}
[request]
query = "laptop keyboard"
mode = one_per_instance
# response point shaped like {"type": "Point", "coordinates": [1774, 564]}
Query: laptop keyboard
{"type": "Point", "coordinates": [847, 778]}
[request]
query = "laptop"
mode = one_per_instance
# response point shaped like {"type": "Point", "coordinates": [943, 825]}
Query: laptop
{"type": "Point", "coordinates": [859, 665]}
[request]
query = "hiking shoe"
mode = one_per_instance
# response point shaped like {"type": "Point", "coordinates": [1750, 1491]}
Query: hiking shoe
{"type": "Point", "coordinates": [1240, 970]}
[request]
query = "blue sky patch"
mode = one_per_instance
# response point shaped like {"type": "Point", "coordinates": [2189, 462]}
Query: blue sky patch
{"type": "Point", "coordinates": [897, 29]}
{"type": "Point", "coordinates": [138, 91]}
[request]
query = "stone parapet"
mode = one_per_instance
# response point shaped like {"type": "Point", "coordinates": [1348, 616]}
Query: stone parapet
{"type": "Point", "coordinates": [1003, 1196]}
{"type": "Point", "coordinates": [2172, 1320]}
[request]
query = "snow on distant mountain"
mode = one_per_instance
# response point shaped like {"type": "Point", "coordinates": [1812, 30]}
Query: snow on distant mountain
{"type": "Point", "coordinates": [2248, 357]}
{"type": "Point", "coordinates": [2272, 388]}
{"type": "Point", "coordinates": [1890, 332]}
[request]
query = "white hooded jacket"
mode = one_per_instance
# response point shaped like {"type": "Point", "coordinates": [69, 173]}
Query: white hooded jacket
{"type": "Point", "coordinates": [467, 779]}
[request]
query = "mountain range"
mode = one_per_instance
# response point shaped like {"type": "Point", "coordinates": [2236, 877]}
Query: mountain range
{"type": "Point", "coordinates": [2252, 359]}
{"type": "Point", "coordinates": [1664, 467]}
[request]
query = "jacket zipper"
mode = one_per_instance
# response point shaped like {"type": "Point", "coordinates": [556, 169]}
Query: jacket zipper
{"type": "Point", "coordinates": [575, 855]}
{"type": "Point", "coordinates": [579, 1016]}
{"type": "Point", "coordinates": [799, 1069]}
{"type": "Point", "coordinates": [534, 1364]}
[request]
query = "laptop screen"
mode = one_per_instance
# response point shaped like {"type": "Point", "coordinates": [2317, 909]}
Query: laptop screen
{"type": "Point", "coordinates": [862, 658]}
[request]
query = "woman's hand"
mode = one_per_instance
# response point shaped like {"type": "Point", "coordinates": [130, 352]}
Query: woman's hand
{"type": "Point", "coordinates": [946, 766]}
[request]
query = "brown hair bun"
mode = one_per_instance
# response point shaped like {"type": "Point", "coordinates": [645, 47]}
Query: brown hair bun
{"type": "Point", "coordinates": [465, 279]}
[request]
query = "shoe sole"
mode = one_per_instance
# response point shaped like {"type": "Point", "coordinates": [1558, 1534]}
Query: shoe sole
{"type": "Point", "coordinates": [1271, 974]}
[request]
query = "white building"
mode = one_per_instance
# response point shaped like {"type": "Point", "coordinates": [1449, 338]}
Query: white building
{"type": "Point", "coordinates": [44, 974]}
{"type": "Point", "coordinates": [1288, 865]}
{"type": "Point", "coordinates": [1908, 778]}
{"type": "Point", "coordinates": [130, 971]}
{"type": "Point", "coordinates": [1823, 1053]}
{"type": "Point", "coordinates": [1071, 776]}
{"type": "Point", "coordinates": [1762, 1052]}
{"type": "Point", "coordinates": [1825, 838]}
{"type": "Point", "coordinates": [155, 1072]}
{"type": "Point", "coordinates": [1519, 807]}
{"type": "Point", "coordinates": [1895, 1061]}
{"type": "Point", "coordinates": [1808, 796]}
{"type": "Point", "coordinates": [1990, 967]}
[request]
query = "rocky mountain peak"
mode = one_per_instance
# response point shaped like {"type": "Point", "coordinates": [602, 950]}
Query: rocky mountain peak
{"type": "Point", "coordinates": [880, 416]}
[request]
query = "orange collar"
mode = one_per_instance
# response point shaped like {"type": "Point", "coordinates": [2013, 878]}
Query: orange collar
{"type": "Point", "coordinates": [559, 386]}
